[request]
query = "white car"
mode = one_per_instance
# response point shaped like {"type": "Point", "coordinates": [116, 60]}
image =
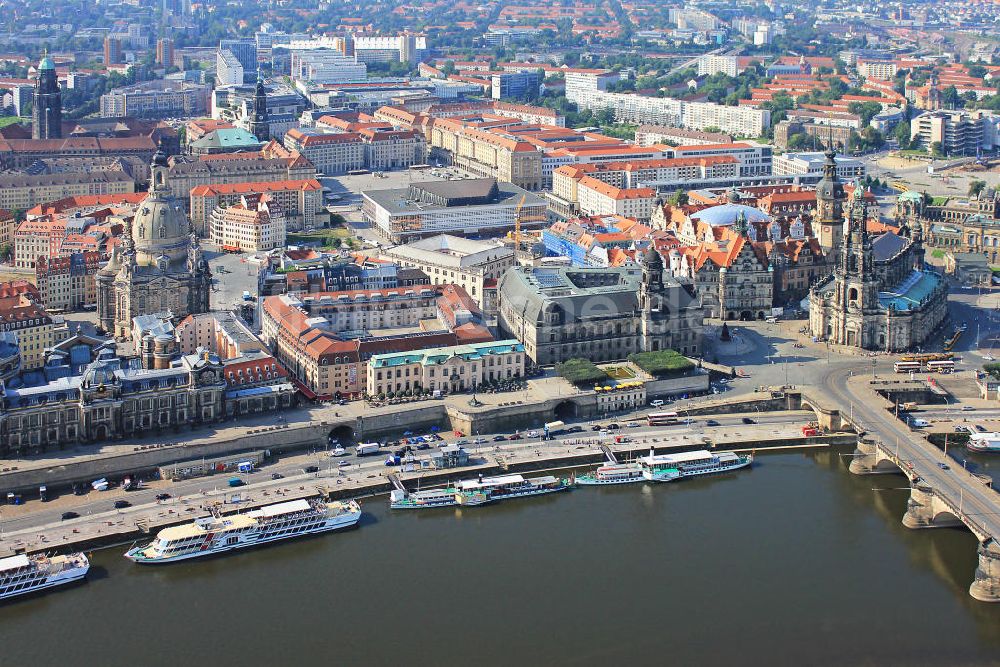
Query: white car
{"type": "Point", "coordinates": [656, 404]}
{"type": "Point", "coordinates": [480, 441]}
{"type": "Point", "coordinates": [339, 451]}
{"type": "Point", "coordinates": [532, 434]}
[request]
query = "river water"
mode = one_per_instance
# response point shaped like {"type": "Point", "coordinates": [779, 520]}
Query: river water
{"type": "Point", "coordinates": [794, 562]}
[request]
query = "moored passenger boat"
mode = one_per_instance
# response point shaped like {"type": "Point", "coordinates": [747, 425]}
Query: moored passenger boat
{"type": "Point", "coordinates": [484, 490]}
{"type": "Point", "coordinates": [406, 500]}
{"type": "Point", "coordinates": [23, 574]}
{"type": "Point", "coordinates": [984, 442]}
{"type": "Point", "coordinates": [613, 473]}
{"type": "Point", "coordinates": [272, 523]}
{"type": "Point", "coordinates": [668, 467]}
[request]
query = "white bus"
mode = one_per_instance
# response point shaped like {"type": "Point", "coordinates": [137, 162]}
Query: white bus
{"type": "Point", "coordinates": [662, 418]}
{"type": "Point", "coordinates": [907, 366]}
{"type": "Point", "coordinates": [940, 366]}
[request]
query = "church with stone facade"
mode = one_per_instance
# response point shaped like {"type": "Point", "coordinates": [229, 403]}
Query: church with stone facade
{"type": "Point", "coordinates": [158, 268]}
{"type": "Point", "coordinates": [880, 296]}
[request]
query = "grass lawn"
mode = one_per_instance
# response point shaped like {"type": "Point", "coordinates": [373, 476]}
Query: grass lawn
{"type": "Point", "coordinates": [664, 363]}
{"type": "Point", "coordinates": [940, 200]}
{"type": "Point", "coordinates": [937, 254]}
{"type": "Point", "coordinates": [581, 372]}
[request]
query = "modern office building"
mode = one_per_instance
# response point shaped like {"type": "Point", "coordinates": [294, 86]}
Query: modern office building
{"type": "Point", "coordinates": [480, 206]}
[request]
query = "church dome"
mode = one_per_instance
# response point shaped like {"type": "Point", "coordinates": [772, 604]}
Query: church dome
{"type": "Point", "coordinates": [46, 63]}
{"type": "Point", "coordinates": [726, 214]}
{"type": "Point", "coordinates": [160, 228]}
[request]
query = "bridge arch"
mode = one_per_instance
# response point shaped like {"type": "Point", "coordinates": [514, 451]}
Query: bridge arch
{"type": "Point", "coordinates": [565, 410]}
{"type": "Point", "coordinates": [342, 433]}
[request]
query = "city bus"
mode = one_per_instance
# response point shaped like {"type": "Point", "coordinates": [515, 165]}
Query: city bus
{"type": "Point", "coordinates": [940, 366]}
{"type": "Point", "coordinates": [907, 366]}
{"type": "Point", "coordinates": [662, 418]}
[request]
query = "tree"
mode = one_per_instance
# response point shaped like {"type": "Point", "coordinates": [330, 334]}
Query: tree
{"type": "Point", "coordinates": [902, 134]}
{"type": "Point", "coordinates": [679, 198]}
{"type": "Point", "coordinates": [937, 150]}
{"type": "Point", "coordinates": [975, 188]}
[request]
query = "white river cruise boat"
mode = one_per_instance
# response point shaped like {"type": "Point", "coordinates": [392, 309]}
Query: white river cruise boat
{"type": "Point", "coordinates": [405, 500]}
{"type": "Point", "coordinates": [217, 534]}
{"type": "Point", "coordinates": [984, 442]}
{"type": "Point", "coordinates": [668, 467]}
{"type": "Point", "coordinates": [22, 574]}
{"type": "Point", "coordinates": [613, 473]}
{"type": "Point", "coordinates": [473, 492]}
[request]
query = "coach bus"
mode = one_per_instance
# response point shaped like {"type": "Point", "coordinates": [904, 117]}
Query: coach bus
{"type": "Point", "coordinates": [662, 418]}
{"type": "Point", "coordinates": [940, 366]}
{"type": "Point", "coordinates": [907, 366]}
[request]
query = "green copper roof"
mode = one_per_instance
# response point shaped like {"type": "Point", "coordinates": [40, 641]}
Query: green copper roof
{"type": "Point", "coordinates": [910, 195]}
{"type": "Point", "coordinates": [46, 63]}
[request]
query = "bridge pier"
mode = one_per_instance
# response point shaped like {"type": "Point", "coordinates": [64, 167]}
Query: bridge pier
{"type": "Point", "coordinates": [866, 459]}
{"type": "Point", "coordinates": [924, 510]}
{"type": "Point", "coordinates": [986, 586]}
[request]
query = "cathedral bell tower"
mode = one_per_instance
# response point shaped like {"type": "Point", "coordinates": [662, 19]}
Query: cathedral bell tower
{"type": "Point", "coordinates": [830, 205]}
{"type": "Point", "coordinates": [856, 316]}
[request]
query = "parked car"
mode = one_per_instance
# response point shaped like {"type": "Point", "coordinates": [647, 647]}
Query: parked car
{"type": "Point", "coordinates": [311, 469]}
{"type": "Point", "coordinates": [596, 427]}
{"type": "Point", "coordinates": [69, 515]}
{"type": "Point", "coordinates": [499, 438]}
{"type": "Point", "coordinates": [163, 496]}
{"type": "Point", "coordinates": [574, 429]}
{"type": "Point", "coordinates": [423, 445]}
{"type": "Point", "coordinates": [967, 408]}
{"type": "Point", "coordinates": [711, 422]}
{"type": "Point", "coordinates": [748, 420]}
{"type": "Point", "coordinates": [122, 504]}
{"type": "Point", "coordinates": [461, 443]}
{"type": "Point", "coordinates": [613, 426]}
{"type": "Point", "coordinates": [532, 434]}
{"type": "Point", "coordinates": [656, 404]}
{"type": "Point", "coordinates": [480, 441]}
{"type": "Point", "coordinates": [277, 475]}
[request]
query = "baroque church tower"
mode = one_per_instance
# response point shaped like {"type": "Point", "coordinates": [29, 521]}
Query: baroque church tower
{"type": "Point", "coordinates": [46, 111]}
{"type": "Point", "coordinates": [830, 205]}
{"type": "Point", "coordinates": [158, 268]}
{"type": "Point", "coordinates": [857, 313]}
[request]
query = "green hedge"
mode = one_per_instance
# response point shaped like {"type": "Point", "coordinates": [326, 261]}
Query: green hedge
{"type": "Point", "coordinates": [581, 371]}
{"type": "Point", "coordinates": [993, 368]}
{"type": "Point", "coordinates": [664, 363]}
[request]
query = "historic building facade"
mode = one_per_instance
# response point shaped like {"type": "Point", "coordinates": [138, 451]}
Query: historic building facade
{"type": "Point", "coordinates": [599, 314]}
{"type": "Point", "coordinates": [958, 225]}
{"type": "Point", "coordinates": [85, 393]}
{"type": "Point", "coordinates": [158, 267]}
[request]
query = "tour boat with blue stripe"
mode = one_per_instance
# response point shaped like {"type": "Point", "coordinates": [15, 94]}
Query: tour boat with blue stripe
{"type": "Point", "coordinates": [272, 523]}
{"type": "Point", "coordinates": [473, 492]}
{"type": "Point", "coordinates": [406, 500]}
{"type": "Point", "coordinates": [23, 574]}
{"type": "Point", "coordinates": [668, 467]}
{"type": "Point", "coordinates": [613, 473]}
